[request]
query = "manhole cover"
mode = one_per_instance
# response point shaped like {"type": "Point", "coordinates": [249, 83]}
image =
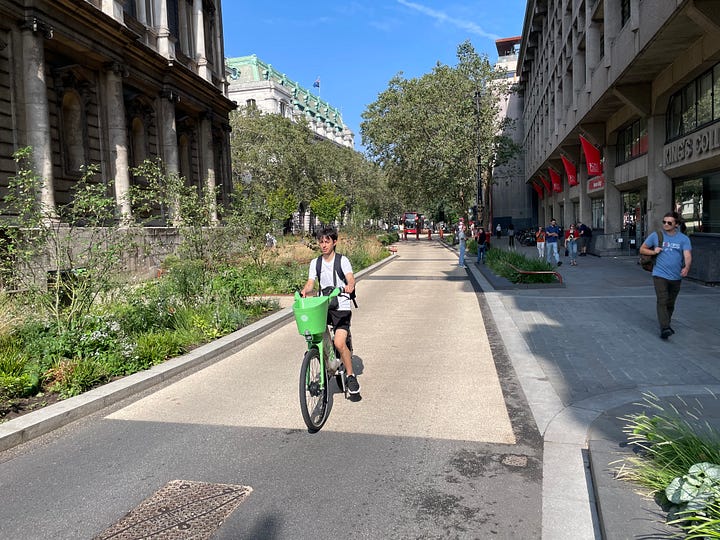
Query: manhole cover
{"type": "Point", "coordinates": [179, 510]}
{"type": "Point", "coordinates": [515, 461]}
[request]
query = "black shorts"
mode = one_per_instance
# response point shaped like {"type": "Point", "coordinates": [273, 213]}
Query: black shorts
{"type": "Point", "coordinates": [339, 319]}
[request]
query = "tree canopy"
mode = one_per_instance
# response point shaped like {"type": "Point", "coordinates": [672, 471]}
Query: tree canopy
{"type": "Point", "coordinates": [276, 159]}
{"type": "Point", "coordinates": [427, 133]}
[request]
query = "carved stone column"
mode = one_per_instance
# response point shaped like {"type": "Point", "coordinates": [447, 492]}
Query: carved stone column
{"type": "Point", "coordinates": [37, 117]}
{"type": "Point", "coordinates": [118, 138]}
{"type": "Point", "coordinates": [169, 136]}
{"type": "Point", "coordinates": [208, 162]}
{"type": "Point", "coordinates": [200, 57]}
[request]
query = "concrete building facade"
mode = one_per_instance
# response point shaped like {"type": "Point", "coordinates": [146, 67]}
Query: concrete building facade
{"type": "Point", "coordinates": [252, 82]}
{"type": "Point", "coordinates": [113, 83]}
{"type": "Point", "coordinates": [511, 200]}
{"type": "Point", "coordinates": [639, 81]}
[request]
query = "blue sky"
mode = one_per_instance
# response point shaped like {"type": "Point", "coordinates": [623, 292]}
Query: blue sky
{"type": "Point", "coordinates": [355, 48]}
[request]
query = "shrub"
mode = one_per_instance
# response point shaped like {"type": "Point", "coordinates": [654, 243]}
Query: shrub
{"type": "Point", "coordinates": [156, 347]}
{"type": "Point", "coordinates": [500, 260]}
{"type": "Point", "coordinates": [73, 377]}
{"type": "Point", "coordinates": [677, 459]}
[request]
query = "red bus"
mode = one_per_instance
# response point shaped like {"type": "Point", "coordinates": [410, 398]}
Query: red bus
{"type": "Point", "coordinates": [413, 222]}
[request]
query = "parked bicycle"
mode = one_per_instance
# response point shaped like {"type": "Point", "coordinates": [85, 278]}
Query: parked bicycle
{"type": "Point", "coordinates": [321, 361]}
{"type": "Point", "coordinates": [526, 237]}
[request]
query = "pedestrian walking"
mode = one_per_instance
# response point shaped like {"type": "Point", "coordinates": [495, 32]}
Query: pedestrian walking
{"type": "Point", "coordinates": [481, 239]}
{"type": "Point", "coordinates": [511, 236]}
{"type": "Point", "coordinates": [672, 263]}
{"type": "Point", "coordinates": [498, 231]}
{"type": "Point", "coordinates": [552, 235]}
{"type": "Point", "coordinates": [540, 242]}
{"type": "Point", "coordinates": [585, 233]}
{"type": "Point", "coordinates": [571, 244]}
{"type": "Point", "coordinates": [461, 238]}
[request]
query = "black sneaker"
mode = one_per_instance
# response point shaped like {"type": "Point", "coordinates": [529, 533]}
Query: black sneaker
{"type": "Point", "coordinates": [559, 263]}
{"type": "Point", "coordinates": [666, 333]}
{"type": "Point", "coordinates": [353, 386]}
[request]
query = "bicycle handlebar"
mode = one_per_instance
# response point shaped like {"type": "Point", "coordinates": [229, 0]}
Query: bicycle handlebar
{"type": "Point", "coordinates": [337, 291]}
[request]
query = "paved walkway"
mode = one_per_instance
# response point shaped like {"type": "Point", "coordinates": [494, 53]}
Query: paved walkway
{"type": "Point", "coordinates": [585, 355]}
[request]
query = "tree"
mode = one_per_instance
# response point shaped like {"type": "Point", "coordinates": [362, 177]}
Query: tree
{"type": "Point", "coordinates": [428, 133]}
{"type": "Point", "coordinates": [328, 204]}
{"type": "Point", "coordinates": [274, 157]}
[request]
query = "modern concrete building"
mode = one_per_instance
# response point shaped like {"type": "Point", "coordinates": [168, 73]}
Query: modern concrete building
{"type": "Point", "coordinates": [111, 83]}
{"type": "Point", "coordinates": [639, 81]}
{"type": "Point", "coordinates": [252, 82]}
{"type": "Point", "coordinates": [510, 197]}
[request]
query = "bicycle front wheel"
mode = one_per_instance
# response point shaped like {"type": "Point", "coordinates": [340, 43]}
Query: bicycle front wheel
{"type": "Point", "coordinates": [313, 391]}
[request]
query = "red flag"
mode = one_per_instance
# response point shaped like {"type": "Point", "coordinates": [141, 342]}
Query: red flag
{"type": "Point", "coordinates": [538, 190]}
{"type": "Point", "coordinates": [570, 171]}
{"type": "Point", "coordinates": [592, 157]}
{"type": "Point", "coordinates": [556, 180]}
{"type": "Point", "coordinates": [545, 183]}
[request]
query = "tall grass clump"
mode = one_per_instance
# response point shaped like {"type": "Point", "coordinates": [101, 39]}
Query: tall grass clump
{"type": "Point", "coordinates": [678, 460]}
{"type": "Point", "coordinates": [500, 262]}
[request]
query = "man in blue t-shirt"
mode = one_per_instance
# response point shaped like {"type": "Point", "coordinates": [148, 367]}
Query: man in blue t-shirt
{"type": "Point", "coordinates": [672, 263]}
{"type": "Point", "coordinates": [552, 233]}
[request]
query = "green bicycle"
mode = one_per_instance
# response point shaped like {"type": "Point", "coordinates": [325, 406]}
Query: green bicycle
{"type": "Point", "coordinates": [321, 361]}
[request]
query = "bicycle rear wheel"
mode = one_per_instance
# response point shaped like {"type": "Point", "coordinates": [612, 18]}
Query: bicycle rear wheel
{"type": "Point", "coordinates": [313, 391]}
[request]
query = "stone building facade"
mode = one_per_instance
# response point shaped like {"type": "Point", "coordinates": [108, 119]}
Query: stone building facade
{"type": "Point", "coordinates": [638, 83]}
{"type": "Point", "coordinates": [252, 82]}
{"type": "Point", "coordinates": [112, 83]}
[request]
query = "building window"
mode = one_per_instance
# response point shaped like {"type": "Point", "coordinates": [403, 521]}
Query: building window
{"type": "Point", "coordinates": [598, 214]}
{"type": "Point", "coordinates": [624, 11]}
{"type": "Point", "coordinates": [632, 141]}
{"type": "Point", "coordinates": [695, 105]}
{"type": "Point", "coordinates": [250, 103]}
{"type": "Point", "coordinates": [697, 200]}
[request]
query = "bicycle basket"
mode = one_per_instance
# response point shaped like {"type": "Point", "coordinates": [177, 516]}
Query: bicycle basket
{"type": "Point", "coordinates": [311, 314]}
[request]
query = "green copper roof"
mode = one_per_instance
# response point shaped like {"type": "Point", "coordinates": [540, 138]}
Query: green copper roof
{"type": "Point", "coordinates": [252, 69]}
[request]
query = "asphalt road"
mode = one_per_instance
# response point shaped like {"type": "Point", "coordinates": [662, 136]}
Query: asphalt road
{"type": "Point", "coordinates": [440, 445]}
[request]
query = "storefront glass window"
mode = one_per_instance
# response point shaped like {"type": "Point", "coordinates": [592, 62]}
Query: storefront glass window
{"type": "Point", "coordinates": [598, 214]}
{"type": "Point", "coordinates": [716, 92]}
{"type": "Point", "coordinates": [697, 200]}
{"type": "Point", "coordinates": [631, 214]}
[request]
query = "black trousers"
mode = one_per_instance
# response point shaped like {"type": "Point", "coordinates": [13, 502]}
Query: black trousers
{"type": "Point", "coordinates": [666, 292]}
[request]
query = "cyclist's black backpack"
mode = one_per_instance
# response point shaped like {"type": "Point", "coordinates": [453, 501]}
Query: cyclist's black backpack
{"type": "Point", "coordinates": [338, 272]}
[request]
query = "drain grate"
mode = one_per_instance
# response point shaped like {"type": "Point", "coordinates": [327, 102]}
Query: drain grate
{"type": "Point", "coordinates": [515, 461]}
{"type": "Point", "coordinates": [179, 510]}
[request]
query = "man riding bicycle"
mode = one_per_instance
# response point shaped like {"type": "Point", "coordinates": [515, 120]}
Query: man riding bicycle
{"type": "Point", "coordinates": [338, 318]}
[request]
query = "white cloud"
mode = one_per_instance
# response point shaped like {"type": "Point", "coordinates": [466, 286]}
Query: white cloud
{"type": "Point", "coordinates": [443, 17]}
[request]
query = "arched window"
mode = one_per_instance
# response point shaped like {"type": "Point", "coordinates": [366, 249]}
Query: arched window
{"type": "Point", "coordinates": [73, 131]}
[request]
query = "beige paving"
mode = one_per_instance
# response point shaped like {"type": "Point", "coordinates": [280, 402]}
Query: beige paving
{"type": "Point", "coordinates": [425, 371]}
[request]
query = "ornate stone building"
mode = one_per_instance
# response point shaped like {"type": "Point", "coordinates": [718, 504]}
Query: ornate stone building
{"type": "Point", "coordinates": [111, 83]}
{"type": "Point", "coordinates": [253, 82]}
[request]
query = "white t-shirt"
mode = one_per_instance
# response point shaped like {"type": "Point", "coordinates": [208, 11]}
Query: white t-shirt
{"type": "Point", "coordinates": [326, 277]}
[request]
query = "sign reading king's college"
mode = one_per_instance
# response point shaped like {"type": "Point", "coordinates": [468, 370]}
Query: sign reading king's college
{"type": "Point", "coordinates": [694, 147]}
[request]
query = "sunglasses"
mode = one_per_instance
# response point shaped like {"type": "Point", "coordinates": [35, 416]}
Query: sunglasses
{"type": "Point", "coordinates": [668, 222]}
